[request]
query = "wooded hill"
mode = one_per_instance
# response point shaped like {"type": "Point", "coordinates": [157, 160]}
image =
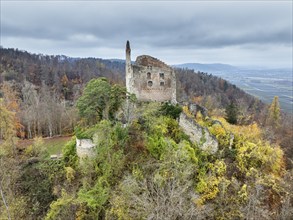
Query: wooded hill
{"type": "Point", "coordinates": [66, 75]}
{"type": "Point", "coordinates": [51, 85]}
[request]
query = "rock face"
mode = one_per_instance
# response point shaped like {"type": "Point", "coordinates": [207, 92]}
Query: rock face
{"type": "Point", "coordinates": [84, 147]}
{"type": "Point", "coordinates": [149, 78]}
{"type": "Point", "coordinates": [195, 108]}
{"type": "Point", "coordinates": [198, 134]}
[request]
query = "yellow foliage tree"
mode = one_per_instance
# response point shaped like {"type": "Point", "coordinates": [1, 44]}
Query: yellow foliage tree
{"type": "Point", "coordinates": [11, 102]}
{"type": "Point", "coordinates": [7, 129]}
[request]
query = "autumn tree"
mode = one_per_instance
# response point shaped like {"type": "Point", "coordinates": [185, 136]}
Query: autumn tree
{"type": "Point", "coordinates": [12, 102]}
{"type": "Point", "coordinates": [9, 124]}
{"type": "Point", "coordinates": [7, 129]}
{"type": "Point", "coordinates": [7, 160]}
{"type": "Point", "coordinates": [44, 113]}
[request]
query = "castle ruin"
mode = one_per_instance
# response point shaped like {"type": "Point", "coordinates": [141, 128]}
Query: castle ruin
{"type": "Point", "coordinates": [152, 80]}
{"type": "Point", "coordinates": [149, 78]}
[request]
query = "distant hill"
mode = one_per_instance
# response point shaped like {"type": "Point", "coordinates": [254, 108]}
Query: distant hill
{"type": "Point", "coordinates": [117, 60]}
{"type": "Point", "coordinates": [213, 67]}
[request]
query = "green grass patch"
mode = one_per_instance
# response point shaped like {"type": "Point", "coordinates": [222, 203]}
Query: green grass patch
{"type": "Point", "coordinates": [55, 145]}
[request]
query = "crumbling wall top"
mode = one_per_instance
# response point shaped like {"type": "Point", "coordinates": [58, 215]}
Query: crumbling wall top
{"type": "Point", "coordinates": [146, 60]}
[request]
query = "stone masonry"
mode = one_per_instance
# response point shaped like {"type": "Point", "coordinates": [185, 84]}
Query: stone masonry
{"type": "Point", "coordinates": [84, 147]}
{"type": "Point", "coordinates": [149, 78]}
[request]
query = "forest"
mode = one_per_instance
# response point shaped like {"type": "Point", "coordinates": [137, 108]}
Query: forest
{"type": "Point", "coordinates": [144, 166]}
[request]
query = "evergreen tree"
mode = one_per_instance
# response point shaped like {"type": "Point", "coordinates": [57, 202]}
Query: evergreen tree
{"type": "Point", "coordinates": [170, 110]}
{"type": "Point", "coordinates": [232, 112]}
{"type": "Point", "coordinates": [274, 113]}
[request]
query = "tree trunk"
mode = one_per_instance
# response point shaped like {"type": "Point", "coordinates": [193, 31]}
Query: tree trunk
{"type": "Point", "coordinates": [29, 131]}
{"type": "Point", "coordinates": [5, 203]}
{"type": "Point", "coordinates": [50, 130]}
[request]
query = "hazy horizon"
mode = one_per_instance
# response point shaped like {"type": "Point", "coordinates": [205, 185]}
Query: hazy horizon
{"type": "Point", "coordinates": [252, 33]}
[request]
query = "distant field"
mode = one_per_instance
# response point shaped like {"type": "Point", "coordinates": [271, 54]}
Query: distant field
{"type": "Point", "coordinates": [54, 145]}
{"type": "Point", "coordinates": [264, 84]}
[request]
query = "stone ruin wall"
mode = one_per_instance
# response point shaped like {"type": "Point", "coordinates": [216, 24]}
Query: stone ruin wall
{"type": "Point", "coordinates": [155, 92]}
{"type": "Point", "coordinates": [145, 60]}
{"type": "Point", "coordinates": [84, 147]}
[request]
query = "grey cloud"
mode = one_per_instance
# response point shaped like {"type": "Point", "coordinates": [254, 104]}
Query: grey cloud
{"type": "Point", "coordinates": [129, 17]}
{"type": "Point", "coordinates": [163, 25]}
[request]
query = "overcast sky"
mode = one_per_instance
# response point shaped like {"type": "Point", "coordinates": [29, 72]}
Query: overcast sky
{"type": "Point", "coordinates": [245, 33]}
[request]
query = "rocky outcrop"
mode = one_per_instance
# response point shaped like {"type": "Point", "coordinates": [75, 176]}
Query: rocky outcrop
{"type": "Point", "coordinates": [195, 108]}
{"type": "Point", "coordinates": [198, 134]}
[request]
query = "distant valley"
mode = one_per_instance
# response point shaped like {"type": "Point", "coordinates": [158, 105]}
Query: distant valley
{"type": "Point", "coordinates": [262, 83]}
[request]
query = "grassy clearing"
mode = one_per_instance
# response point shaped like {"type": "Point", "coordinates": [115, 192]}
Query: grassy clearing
{"type": "Point", "coordinates": [54, 145]}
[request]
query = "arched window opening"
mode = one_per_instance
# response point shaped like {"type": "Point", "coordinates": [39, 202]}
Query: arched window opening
{"type": "Point", "coordinates": [150, 83]}
{"type": "Point", "coordinates": [162, 83]}
{"type": "Point", "coordinates": [149, 75]}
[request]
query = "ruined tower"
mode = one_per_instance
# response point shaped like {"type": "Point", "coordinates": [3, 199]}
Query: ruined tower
{"type": "Point", "coordinates": [149, 78]}
{"type": "Point", "coordinates": [128, 68]}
